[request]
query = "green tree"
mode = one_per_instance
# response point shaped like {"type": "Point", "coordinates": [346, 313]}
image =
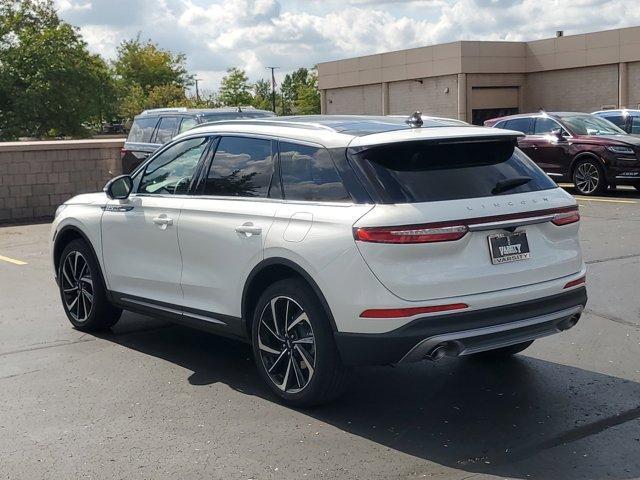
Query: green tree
{"type": "Point", "coordinates": [49, 83]}
{"type": "Point", "coordinates": [290, 87]}
{"type": "Point", "coordinates": [308, 96]}
{"type": "Point", "coordinates": [147, 65]}
{"type": "Point", "coordinates": [262, 95]}
{"type": "Point", "coordinates": [235, 89]}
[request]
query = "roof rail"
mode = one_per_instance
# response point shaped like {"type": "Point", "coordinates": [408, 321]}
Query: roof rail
{"type": "Point", "coordinates": [276, 123]}
{"type": "Point", "coordinates": [165, 110]}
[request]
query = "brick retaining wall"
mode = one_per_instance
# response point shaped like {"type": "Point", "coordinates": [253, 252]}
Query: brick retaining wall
{"type": "Point", "coordinates": [36, 177]}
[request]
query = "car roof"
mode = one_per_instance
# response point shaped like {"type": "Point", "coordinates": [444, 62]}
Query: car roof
{"type": "Point", "coordinates": [555, 115]}
{"type": "Point", "coordinates": [348, 130]}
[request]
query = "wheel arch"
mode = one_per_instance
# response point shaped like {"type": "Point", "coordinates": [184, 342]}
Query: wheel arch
{"type": "Point", "coordinates": [66, 235]}
{"type": "Point", "coordinates": [584, 156]}
{"type": "Point", "coordinates": [271, 270]}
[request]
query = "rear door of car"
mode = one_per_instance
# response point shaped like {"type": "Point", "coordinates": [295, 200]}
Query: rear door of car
{"type": "Point", "coordinates": [224, 223]}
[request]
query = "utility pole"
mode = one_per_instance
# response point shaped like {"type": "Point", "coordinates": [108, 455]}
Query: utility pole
{"type": "Point", "coordinates": [273, 88]}
{"type": "Point", "coordinates": [197, 91]}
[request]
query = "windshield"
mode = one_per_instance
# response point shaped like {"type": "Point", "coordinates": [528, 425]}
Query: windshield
{"type": "Point", "coordinates": [591, 125]}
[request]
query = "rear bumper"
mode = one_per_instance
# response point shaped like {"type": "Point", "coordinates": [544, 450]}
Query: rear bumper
{"type": "Point", "coordinates": [465, 333]}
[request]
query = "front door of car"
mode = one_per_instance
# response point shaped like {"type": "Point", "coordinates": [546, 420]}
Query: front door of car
{"type": "Point", "coordinates": [550, 151]}
{"type": "Point", "coordinates": [224, 224]}
{"type": "Point", "coordinates": [139, 235]}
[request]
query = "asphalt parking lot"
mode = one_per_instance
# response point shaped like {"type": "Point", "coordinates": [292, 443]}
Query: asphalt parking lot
{"type": "Point", "coordinates": [154, 400]}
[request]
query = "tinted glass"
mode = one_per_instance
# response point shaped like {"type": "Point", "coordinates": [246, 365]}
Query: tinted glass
{"type": "Point", "coordinates": [171, 171]}
{"type": "Point", "coordinates": [423, 172]}
{"type": "Point", "coordinates": [142, 129]}
{"type": "Point", "coordinates": [545, 126]}
{"type": "Point", "coordinates": [167, 129]}
{"type": "Point", "coordinates": [618, 120]}
{"type": "Point", "coordinates": [309, 174]}
{"type": "Point", "coordinates": [215, 117]}
{"type": "Point", "coordinates": [591, 125]}
{"type": "Point", "coordinates": [187, 124]}
{"type": "Point", "coordinates": [524, 125]}
{"type": "Point", "coordinates": [241, 167]}
{"type": "Point", "coordinates": [635, 125]}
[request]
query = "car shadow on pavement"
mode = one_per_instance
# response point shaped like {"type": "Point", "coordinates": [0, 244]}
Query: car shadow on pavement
{"type": "Point", "coordinates": [520, 418]}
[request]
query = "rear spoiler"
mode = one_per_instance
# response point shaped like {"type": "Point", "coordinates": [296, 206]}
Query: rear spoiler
{"type": "Point", "coordinates": [506, 136]}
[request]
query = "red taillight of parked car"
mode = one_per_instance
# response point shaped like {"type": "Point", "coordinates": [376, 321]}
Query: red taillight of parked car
{"type": "Point", "coordinates": [571, 215]}
{"type": "Point", "coordinates": [429, 233]}
{"type": "Point", "coordinates": [576, 282]}
{"type": "Point", "coordinates": [410, 312]}
{"type": "Point", "coordinates": [123, 152]}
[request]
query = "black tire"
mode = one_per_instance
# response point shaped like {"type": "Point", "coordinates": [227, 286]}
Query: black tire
{"type": "Point", "coordinates": [589, 178]}
{"type": "Point", "coordinates": [327, 378]}
{"type": "Point", "coordinates": [501, 353]}
{"type": "Point", "coordinates": [92, 310]}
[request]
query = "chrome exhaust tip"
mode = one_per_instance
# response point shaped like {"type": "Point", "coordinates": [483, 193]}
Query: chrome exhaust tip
{"type": "Point", "coordinates": [442, 350]}
{"type": "Point", "coordinates": [568, 323]}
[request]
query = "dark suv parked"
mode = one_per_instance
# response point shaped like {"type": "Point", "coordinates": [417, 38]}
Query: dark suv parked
{"type": "Point", "coordinates": [627, 120]}
{"type": "Point", "coordinates": [581, 148]}
{"type": "Point", "coordinates": [153, 128]}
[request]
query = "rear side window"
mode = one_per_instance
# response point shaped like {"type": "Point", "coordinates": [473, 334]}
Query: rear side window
{"type": "Point", "coordinates": [166, 130]}
{"type": "Point", "coordinates": [241, 167]}
{"type": "Point", "coordinates": [425, 172]}
{"type": "Point", "coordinates": [309, 174]}
{"type": "Point", "coordinates": [187, 124]}
{"type": "Point", "coordinates": [524, 125]}
{"type": "Point", "coordinates": [635, 125]}
{"type": "Point", "coordinates": [142, 129]}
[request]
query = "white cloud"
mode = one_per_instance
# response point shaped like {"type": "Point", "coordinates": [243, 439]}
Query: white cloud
{"type": "Point", "coordinates": [253, 34]}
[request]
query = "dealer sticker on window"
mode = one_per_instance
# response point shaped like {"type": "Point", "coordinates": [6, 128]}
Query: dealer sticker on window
{"type": "Point", "coordinates": [509, 247]}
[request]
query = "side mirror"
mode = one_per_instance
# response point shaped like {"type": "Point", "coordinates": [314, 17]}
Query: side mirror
{"type": "Point", "coordinates": [119, 188]}
{"type": "Point", "coordinates": [558, 134]}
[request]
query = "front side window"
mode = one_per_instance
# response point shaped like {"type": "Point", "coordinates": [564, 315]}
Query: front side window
{"type": "Point", "coordinates": [635, 125]}
{"type": "Point", "coordinates": [167, 129]}
{"type": "Point", "coordinates": [524, 125]}
{"type": "Point", "coordinates": [545, 126]}
{"type": "Point", "coordinates": [171, 171]}
{"type": "Point", "coordinates": [419, 171]}
{"type": "Point", "coordinates": [308, 174]}
{"type": "Point", "coordinates": [241, 167]}
{"type": "Point", "coordinates": [142, 129]}
{"type": "Point", "coordinates": [618, 120]}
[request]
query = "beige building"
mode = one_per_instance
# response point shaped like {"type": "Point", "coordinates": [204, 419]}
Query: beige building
{"type": "Point", "coordinates": [474, 81]}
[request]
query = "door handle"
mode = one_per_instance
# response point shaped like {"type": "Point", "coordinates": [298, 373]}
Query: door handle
{"type": "Point", "coordinates": [163, 221]}
{"type": "Point", "coordinates": [248, 229]}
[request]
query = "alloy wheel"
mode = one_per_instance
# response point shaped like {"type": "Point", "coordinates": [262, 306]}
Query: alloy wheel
{"type": "Point", "coordinates": [287, 344]}
{"type": "Point", "coordinates": [77, 286]}
{"type": "Point", "coordinates": [587, 177]}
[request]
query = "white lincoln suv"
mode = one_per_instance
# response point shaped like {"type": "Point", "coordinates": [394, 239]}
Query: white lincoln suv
{"type": "Point", "coordinates": [329, 242]}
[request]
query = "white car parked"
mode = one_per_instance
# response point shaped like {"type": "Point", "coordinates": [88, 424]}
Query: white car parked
{"type": "Point", "coordinates": [328, 242]}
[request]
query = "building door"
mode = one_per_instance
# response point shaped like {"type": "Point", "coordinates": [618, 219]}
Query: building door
{"type": "Point", "coordinates": [492, 102]}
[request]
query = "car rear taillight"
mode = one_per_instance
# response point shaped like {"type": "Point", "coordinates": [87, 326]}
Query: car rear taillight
{"type": "Point", "coordinates": [576, 282]}
{"type": "Point", "coordinates": [410, 312]}
{"type": "Point", "coordinates": [123, 152]}
{"type": "Point", "coordinates": [428, 233]}
{"type": "Point", "coordinates": [567, 217]}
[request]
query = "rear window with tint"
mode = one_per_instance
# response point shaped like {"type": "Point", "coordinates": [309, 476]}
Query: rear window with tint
{"type": "Point", "coordinates": [524, 125]}
{"type": "Point", "coordinates": [413, 172]}
{"type": "Point", "coordinates": [142, 129]}
{"type": "Point", "coordinates": [167, 129]}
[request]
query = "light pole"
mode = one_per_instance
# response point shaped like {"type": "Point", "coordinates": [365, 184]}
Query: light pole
{"type": "Point", "coordinates": [273, 88]}
{"type": "Point", "coordinates": [197, 91]}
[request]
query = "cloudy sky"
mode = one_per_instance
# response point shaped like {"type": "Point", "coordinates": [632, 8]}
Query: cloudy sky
{"type": "Point", "coordinates": [253, 34]}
